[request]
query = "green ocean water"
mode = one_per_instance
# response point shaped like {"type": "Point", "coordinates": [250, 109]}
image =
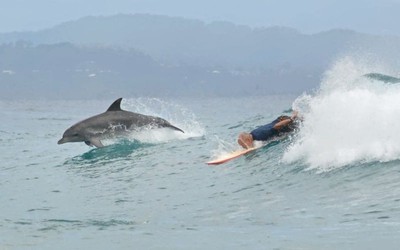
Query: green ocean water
{"type": "Point", "coordinates": [158, 193]}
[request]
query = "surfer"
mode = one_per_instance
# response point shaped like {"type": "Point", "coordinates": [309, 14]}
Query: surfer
{"type": "Point", "coordinates": [280, 126]}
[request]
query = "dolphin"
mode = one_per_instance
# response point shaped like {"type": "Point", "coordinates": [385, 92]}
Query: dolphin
{"type": "Point", "coordinates": [114, 122]}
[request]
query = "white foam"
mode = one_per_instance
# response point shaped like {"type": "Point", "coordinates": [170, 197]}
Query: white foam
{"type": "Point", "coordinates": [349, 120]}
{"type": "Point", "coordinates": [157, 135]}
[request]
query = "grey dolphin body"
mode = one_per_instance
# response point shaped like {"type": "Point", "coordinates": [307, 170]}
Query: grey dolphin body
{"type": "Point", "coordinates": [114, 122]}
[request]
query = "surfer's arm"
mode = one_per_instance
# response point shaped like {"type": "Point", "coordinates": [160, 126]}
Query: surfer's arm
{"type": "Point", "coordinates": [283, 123]}
{"type": "Point", "coordinates": [287, 121]}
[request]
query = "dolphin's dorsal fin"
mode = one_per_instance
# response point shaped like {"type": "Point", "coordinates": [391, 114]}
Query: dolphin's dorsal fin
{"type": "Point", "coordinates": [115, 106]}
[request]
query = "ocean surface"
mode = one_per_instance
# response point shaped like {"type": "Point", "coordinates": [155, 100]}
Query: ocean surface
{"type": "Point", "coordinates": [334, 184]}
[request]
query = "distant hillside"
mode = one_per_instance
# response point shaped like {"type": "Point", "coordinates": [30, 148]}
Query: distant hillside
{"type": "Point", "coordinates": [63, 71]}
{"type": "Point", "coordinates": [178, 40]}
{"type": "Point", "coordinates": [148, 54]}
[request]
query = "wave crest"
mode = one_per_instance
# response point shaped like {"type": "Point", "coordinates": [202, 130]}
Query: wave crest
{"type": "Point", "coordinates": [350, 119]}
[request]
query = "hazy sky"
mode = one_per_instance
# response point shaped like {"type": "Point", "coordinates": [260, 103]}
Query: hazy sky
{"type": "Point", "coordinates": [372, 16]}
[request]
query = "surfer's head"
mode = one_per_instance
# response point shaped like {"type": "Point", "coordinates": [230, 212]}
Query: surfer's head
{"type": "Point", "coordinates": [283, 117]}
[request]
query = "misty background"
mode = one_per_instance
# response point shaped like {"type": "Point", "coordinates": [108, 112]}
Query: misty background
{"type": "Point", "coordinates": [73, 49]}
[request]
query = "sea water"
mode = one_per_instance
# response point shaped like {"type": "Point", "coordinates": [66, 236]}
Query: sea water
{"type": "Point", "coordinates": [334, 184]}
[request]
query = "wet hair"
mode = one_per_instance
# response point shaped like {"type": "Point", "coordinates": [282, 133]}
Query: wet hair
{"type": "Point", "coordinates": [283, 117]}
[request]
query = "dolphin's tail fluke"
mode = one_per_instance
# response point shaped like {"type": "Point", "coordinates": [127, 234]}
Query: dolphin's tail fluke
{"type": "Point", "coordinates": [175, 128]}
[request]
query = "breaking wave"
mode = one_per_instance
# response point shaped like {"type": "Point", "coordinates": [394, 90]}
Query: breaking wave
{"type": "Point", "coordinates": [352, 118]}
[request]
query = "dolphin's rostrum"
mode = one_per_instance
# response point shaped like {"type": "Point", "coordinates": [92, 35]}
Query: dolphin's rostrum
{"type": "Point", "coordinates": [113, 122]}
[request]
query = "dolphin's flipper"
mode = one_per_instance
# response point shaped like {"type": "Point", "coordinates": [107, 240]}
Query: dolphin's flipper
{"type": "Point", "coordinates": [115, 106]}
{"type": "Point", "coordinates": [94, 142]}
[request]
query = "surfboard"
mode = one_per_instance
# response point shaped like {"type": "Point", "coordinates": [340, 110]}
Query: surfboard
{"type": "Point", "coordinates": [231, 156]}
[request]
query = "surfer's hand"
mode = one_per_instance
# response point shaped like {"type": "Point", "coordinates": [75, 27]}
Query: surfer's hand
{"type": "Point", "coordinates": [294, 115]}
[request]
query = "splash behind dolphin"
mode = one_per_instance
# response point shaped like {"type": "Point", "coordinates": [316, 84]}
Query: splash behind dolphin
{"type": "Point", "coordinates": [112, 123]}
